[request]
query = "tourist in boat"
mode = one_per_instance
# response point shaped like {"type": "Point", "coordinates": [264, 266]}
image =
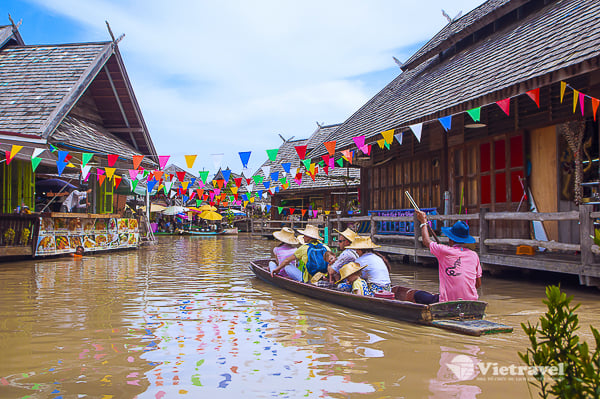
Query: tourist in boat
{"type": "Point", "coordinates": [309, 256]}
{"type": "Point", "coordinates": [351, 272]}
{"type": "Point", "coordinates": [286, 248]}
{"type": "Point", "coordinates": [348, 255]}
{"type": "Point", "coordinates": [459, 268]}
{"type": "Point", "coordinates": [377, 269]}
{"type": "Point", "coordinates": [329, 257]}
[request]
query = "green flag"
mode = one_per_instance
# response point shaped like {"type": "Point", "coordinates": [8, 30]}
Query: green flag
{"type": "Point", "coordinates": [280, 208]}
{"type": "Point", "coordinates": [257, 179]}
{"type": "Point", "coordinates": [340, 162]}
{"type": "Point", "coordinates": [35, 162]}
{"type": "Point", "coordinates": [475, 114]}
{"type": "Point", "coordinates": [204, 176]}
{"type": "Point", "coordinates": [85, 158]}
{"type": "Point", "coordinates": [283, 180]}
{"type": "Point", "coordinates": [198, 202]}
{"type": "Point", "coordinates": [134, 184]}
{"type": "Point", "coordinates": [306, 163]}
{"type": "Point", "coordinates": [272, 154]}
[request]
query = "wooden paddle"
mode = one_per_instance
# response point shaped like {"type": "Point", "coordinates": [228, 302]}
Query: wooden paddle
{"type": "Point", "coordinates": [414, 205]}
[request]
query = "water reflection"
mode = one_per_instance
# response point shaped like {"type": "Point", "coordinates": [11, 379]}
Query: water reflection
{"type": "Point", "coordinates": [187, 317]}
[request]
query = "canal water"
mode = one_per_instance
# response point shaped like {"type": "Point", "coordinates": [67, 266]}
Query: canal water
{"type": "Point", "coordinates": [187, 318]}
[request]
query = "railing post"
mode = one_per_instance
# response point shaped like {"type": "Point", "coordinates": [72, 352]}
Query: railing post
{"type": "Point", "coordinates": [339, 222]}
{"type": "Point", "coordinates": [328, 232]}
{"type": "Point", "coordinates": [586, 228]}
{"type": "Point", "coordinates": [417, 231]}
{"type": "Point", "coordinates": [373, 227]}
{"type": "Point", "coordinates": [483, 231]}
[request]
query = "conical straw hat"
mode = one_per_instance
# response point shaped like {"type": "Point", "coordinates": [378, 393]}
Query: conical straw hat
{"type": "Point", "coordinates": [349, 234]}
{"type": "Point", "coordinates": [361, 242]}
{"type": "Point", "coordinates": [311, 232]}
{"type": "Point", "coordinates": [286, 235]}
{"type": "Point", "coordinates": [348, 269]}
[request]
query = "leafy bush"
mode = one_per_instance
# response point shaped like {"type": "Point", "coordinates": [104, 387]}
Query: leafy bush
{"type": "Point", "coordinates": [555, 343]}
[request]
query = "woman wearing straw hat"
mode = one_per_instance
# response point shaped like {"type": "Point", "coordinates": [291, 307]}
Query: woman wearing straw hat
{"type": "Point", "coordinates": [286, 248]}
{"type": "Point", "coordinates": [348, 255]}
{"type": "Point", "coordinates": [376, 271]}
{"type": "Point", "coordinates": [459, 268]}
{"type": "Point", "coordinates": [309, 256]}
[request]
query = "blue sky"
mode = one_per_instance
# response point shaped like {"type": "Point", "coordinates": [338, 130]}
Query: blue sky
{"type": "Point", "coordinates": [230, 76]}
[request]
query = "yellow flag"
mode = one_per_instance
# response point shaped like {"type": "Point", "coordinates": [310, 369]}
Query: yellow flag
{"type": "Point", "coordinates": [381, 143]}
{"type": "Point", "coordinates": [189, 160]}
{"type": "Point", "coordinates": [575, 98]}
{"type": "Point", "coordinates": [245, 204]}
{"type": "Point", "coordinates": [110, 172]}
{"type": "Point", "coordinates": [388, 136]}
{"type": "Point", "coordinates": [14, 150]}
{"type": "Point", "coordinates": [234, 190]}
{"type": "Point", "coordinates": [185, 184]}
{"type": "Point", "coordinates": [70, 165]}
{"type": "Point", "coordinates": [327, 212]}
{"type": "Point", "coordinates": [251, 200]}
{"type": "Point", "coordinates": [563, 87]}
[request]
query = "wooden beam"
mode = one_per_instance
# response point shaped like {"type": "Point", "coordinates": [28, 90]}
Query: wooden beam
{"type": "Point", "coordinates": [133, 141]}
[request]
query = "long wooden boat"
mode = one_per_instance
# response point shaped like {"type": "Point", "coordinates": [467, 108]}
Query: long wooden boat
{"type": "Point", "coordinates": [465, 317]}
{"type": "Point", "coordinates": [204, 233]}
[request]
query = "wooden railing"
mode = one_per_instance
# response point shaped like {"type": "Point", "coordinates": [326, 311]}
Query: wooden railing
{"type": "Point", "coordinates": [18, 233]}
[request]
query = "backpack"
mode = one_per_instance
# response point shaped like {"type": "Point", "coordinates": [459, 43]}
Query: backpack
{"type": "Point", "coordinates": [316, 262]}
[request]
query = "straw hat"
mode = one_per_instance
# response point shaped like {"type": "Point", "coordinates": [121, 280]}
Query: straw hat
{"type": "Point", "coordinates": [361, 242]}
{"type": "Point", "coordinates": [311, 232]}
{"type": "Point", "coordinates": [286, 235]}
{"type": "Point", "coordinates": [348, 269]}
{"type": "Point", "coordinates": [348, 234]}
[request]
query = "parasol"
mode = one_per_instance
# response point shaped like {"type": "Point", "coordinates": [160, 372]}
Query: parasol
{"type": "Point", "coordinates": [211, 215]}
{"type": "Point", "coordinates": [206, 207]}
{"type": "Point", "coordinates": [153, 208]}
{"type": "Point", "coordinates": [174, 210]}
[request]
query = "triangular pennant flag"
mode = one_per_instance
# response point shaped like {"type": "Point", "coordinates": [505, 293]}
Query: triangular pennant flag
{"type": "Point", "coordinates": [347, 155]}
{"type": "Point", "coordinates": [266, 170]}
{"type": "Point", "coordinates": [151, 184]}
{"type": "Point", "coordinates": [37, 152]}
{"type": "Point", "coordinates": [14, 150]}
{"type": "Point", "coordinates": [52, 148]}
{"type": "Point", "coordinates": [200, 192]}
{"type": "Point", "coordinates": [162, 160]}
{"type": "Point", "coordinates": [326, 158]}
{"type": "Point", "coordinates": [112, 158]}
{"type": "Point", "coordinates": [359, 141]}
{"type": "Point", "coordinates": [301, 151]}
{"type": "Point", "coordinates": [217, 160]}
{"type": "Point", "coordinates": [134, 184]}
{"type": "Point", "coordinates": [388, 136]}
{"type": "Point", "coordinates": [303, 211]}
{"type": "Point", "coordinates": [60, 166]}
{"type": "Point", "coordinates": [257, 179]}
{"type": "Point", "coordinates": [292, 211]}
{"type": "Point", "coordinates": [192, 181]}
{"type": "Point", "coordinates": [535, 96]}
{"type": "Point", "coordinates": [35, 162]}
{"type": "Point", "coordinates": [367, 149]}
{"type": "Point", "coordinates": [595, 103]}
{"type": "Point", "coordinates": [267, 184]}
{"type": "Point", "coordinates": [306, 163]}
{"type": "Point", "coordinates": [185, 185]}
{"type": "Point", "coordinates": [117, 181]}
{"type": "Point", "coordinates": [475, 114]}
{"type": "Point", "coordinates": [340, 162]}
{"type": "Point", "coordinates": [226, 174]}
{"type": "Point", "coordinates": [504, 105]}
{"type": "Point", "coordinates": [238, 181]}
{"type": "Point", "coordinates": [250, 187]}
{"type": "Point", "coordinates": [101, 179]}
{"type": "Point", "coordinates": [330, 146]}
{"type": "Point", "coordinates": [133, 173]}
{"type": "Point", "coordinates": [245, 157]}
{"type": "Point", "coordinates": [381, 143]}
{"type": "Point", "coordinates": [168, 186]}
{"type": "Point", "coordinates": [575, 98]}
{"type": "Point", "coordinates": [137, 160]}
{"type": "Point", "coordinates": [220, 183]}
{"type": "Point", "coordinates": [326, 169]}
{"type": "Point", "coordinates": [109, 172]}
{"type": "Point", "coordinates": [416, 129]}
{"type": "Point", "coordinates": [204, 176]}
{"type": "Point", "coordinates": [446, 122]}
{"type": "Point", "coordinates": [327, 212]}
{"type": "Point", "coordinates": [62, 156]}
{"type": "Point", "coordinates": [189, 160]}
{"type": "Point", "coordinates": [283, 180]}
{"type": "Point", "coordinates": [398, 138]}
{"type": "Point", "coordinates": [279, 209]}
{"type": "Point", "coordinates": [272, 154]}
{"type": "Point", "coordinates": [85, 171]}
{"type": "Point", "coordinates": [274, 176]}
{"type": "Point", "coordinates": [8, 159]}
{"type": "Point", "coordinates": [563, 87]}
{"type": "Point", "coordinates": [234, 190]}
{"type": "Point", "coordinates": [386, 144]}
{"type": "Point", "coordinates": [286, 166]}
{"type": "Point", "coordinates": [315, 211]}
{"type": "Point", "coordinates": [581, 102]}
{"type": "Point", "coordinates": [185, 199]}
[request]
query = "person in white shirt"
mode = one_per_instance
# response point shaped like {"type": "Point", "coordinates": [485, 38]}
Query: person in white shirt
{"type": "Point", "coordinates": [377, 270]}
{"type": "Point", "coordinates": [73, 202]}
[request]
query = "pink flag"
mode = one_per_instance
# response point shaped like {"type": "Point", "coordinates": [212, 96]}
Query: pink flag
{"type": "Point", "coordinates": [359, 141]}
{"type": "Point", "coordinates": [133, 173]}
{"type": "Point", "coordinates": [162, 160]}
{"type": "Point", "coordinates": [581, 103]}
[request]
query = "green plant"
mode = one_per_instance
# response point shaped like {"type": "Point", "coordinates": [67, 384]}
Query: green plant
{"type": "Point", "coordinates": [230, 216]}
{"type": "Point", "coordinates": [9, 236]}
{"type": "Point", "coordinates": [25, 236]}
{"type": "Point", "coordinates": [555, 343]}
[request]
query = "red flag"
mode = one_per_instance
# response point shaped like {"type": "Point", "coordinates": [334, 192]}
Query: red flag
{"type": "Point", "coordinates": [301, 150]}
{"type": "Point", "coordinates": [112, 158]}
{"type": "Point", "coordinates": [180, 176]}
{"type": "Point", "coordinates": [292, 211]}
{"type": "Point", "coordinates": [326, 168]}
{"type": "Point", "coordinates": [220, 183]}
{"type": "Point", "coordinates": [117, 181]}
{"type": "Point", "coordinates": [137, 160]}
{"type": "Point", "coordinates": [238, 182]}
{"type": "Point", "coordinates": [595, 103]}
{"type": "Point", "coordinates": [223, 196]}
{"type": "Point", "coordinates": [504, 105]}
{"type": "Point", "coordinates": [330, 145]}
{"type": "Point", "coordinates": [248, 181]}
{"type": "Point", "coordinates": [326, 159]}
{"type": "Point", "coordinates": [68, 157]}
{"type": "Point", "coordinates": [535, 96]}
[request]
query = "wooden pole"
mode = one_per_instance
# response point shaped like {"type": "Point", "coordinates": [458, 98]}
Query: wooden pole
{"type": "Point", "coordinates": [586, 229]}
{"type": "Point", "coordinates": [483, 231]}
{"type": "Point", "coordinates": [414, 204]}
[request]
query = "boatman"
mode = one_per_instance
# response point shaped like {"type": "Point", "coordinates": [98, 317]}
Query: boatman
{"type": "Point", "coordinates": [459, 268]}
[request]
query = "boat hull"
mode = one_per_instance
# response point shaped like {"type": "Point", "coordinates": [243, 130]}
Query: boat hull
{"type": "Point", "coordinates": [392, 308]}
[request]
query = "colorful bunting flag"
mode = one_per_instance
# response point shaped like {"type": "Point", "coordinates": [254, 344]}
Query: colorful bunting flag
{"type": "Point", "coordinates": [35, 162]}
{"type": "Point", "coordinates": [112, 158]}
{"type": "Point", "coordinates": [398, 138]}
{"type": "Point", "coordinates": [475, 114]}
{"type": "Point", "coordinates": [257, 179]}
{"type": "Point", "coordinates": [286, 166]}
{"type": "Point", "coordinates": [238, 181]}
{"type": "Point", "coordinates": [117, 181]}
{"type": "Point", "coordinates": [359, 141]}
{"type": "Point", "coordinates": [279, 209]}
{"type": "Point", "coordinates": [575, 97]}
{"type": "Point", "coordinates": [101, 179]}
{"type": "Point", "coordinates": [226, 174]}
{"type": "Point", "coordinates": [416, 129]}
{"type": "Point", "coordinates": [204, 176]}
{"type": "Point", "coordinates": [340, 162]}
{"type": "Point", "coordinates": [245, 157]}
{"type": "Point", "coordinates": [563, 87]}
{"type": "Point", "coordinates": [292, 211]}
{"type": "Point", "coordinates": [60, 165]}
{"type": "Point", "coordinates": [504, 105]}
{"type": "Point", "coordinates": [581, 102]}
{"type": "Point", "coordinates": [134, 184]}
{"type": "Point", "coordinates": [162, 160]}
{"type": "Point", "coordinates": [62, 156]}
{"type": "Point", "coordinates": [347, 155]}
{"type": "Point", "coordinates": [306, 163]}
{"type": "Point", "coordinates": [301, 151]}
{"type": "Point", "coordinates": [595, 103]}
{"type": "Point", "coordinates": [37, 152]}
{"type": "Point", "coordinates": [388, 136]}
{"type": "Point", "coordinates": [13, 151]}
{"type": "Point", "coordinates": [137, 160]}
{"type": "Point", "coordinates": [151, 184]}
{"type": "Point", "coordinates": [272, 154]}
{"type": "Point", "coordinates": [190, 160]}
{"type": "Point", "coordinates": [185, 185]}
{"type": "Point", "coordinates": [266, 170]}
{"type": "Point", "coordinates": [109, 172]}
{"type": "Point", "coordinates": [535, 96]}
{"type": "Point", "coordinates": [446, 122]}
{"type": "Point", "coordinates": [381, 143]}
{"type": "Point", "coordinates": [274, 176]}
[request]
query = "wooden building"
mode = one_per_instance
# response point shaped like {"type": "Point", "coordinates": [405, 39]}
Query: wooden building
{"type": "Point", "coordinates": [75, 98]}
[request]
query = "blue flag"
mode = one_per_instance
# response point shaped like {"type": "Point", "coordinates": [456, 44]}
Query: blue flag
{"type": "Point", "coordinates": [274, 176]}
{"type": "Point", "coordinates": [245, 157]}
{"type": "Point", "coordinates": [227, 174]}
{"type": "Point", "coordinates": [267, 184]}
{"type": "Point", "coordinates": [151, 184]}
{"type": "Point", "coordinates": [446, 122]}
{"type": "Point", "coordinates": [286, 166]}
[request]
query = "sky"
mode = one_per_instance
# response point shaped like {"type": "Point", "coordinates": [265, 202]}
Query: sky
{"type": "Point", "coordinates": [223, 77]}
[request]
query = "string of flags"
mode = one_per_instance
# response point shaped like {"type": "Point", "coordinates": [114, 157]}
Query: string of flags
{"type": "Point", "coordinates": [224, 190]}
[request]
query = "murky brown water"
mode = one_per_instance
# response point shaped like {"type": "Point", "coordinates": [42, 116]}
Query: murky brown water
{"type": "Point", "coordinates": [186, 318]}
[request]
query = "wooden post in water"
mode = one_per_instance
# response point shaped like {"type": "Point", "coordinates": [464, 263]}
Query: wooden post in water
{"type": "Point", "coordinates": [586, 228]}
{"type": "Point", "coordinates": [373, 227]}
{"type": "Point", "coordinates": [417, 235]}
{"type": "Point", "coordinates": [483, 231]}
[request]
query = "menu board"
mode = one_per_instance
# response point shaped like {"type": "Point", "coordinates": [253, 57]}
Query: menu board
{"type": "Point", "coordinates": [60, 235]}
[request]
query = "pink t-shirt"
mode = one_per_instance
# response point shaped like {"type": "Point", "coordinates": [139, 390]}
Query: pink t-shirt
{"type": "Point", "coordinates": [284, 251]}
{"type": "Point", "coordinates": [458, 270]}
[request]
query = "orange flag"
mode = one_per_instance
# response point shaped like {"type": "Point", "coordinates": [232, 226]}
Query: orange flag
{"type": "Point", "coordinates": [137, 160]}
{"type": "Point", "coordinates": [535, 96]}
{"type": "Point", "coordinates": [595, 103]}
{"type": "Point", "coordinates": [330, 145]}
{"type": "Point", "coordinates": [101, 179]}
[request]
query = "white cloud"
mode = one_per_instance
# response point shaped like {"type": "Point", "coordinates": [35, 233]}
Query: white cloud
{"type": "Point", "coordinates": [228, 76]}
